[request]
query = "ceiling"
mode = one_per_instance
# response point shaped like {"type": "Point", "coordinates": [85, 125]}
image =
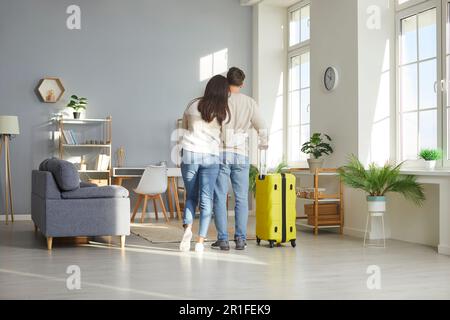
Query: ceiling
{"type": "Point", "coordinates": [279, 3]}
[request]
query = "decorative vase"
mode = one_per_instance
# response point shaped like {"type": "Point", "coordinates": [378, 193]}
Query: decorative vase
{"type": "Point", "coordinates": [315, 164]}
{"type": "Point", "coordinates": [430, 165]}
{"type": "Point", "coordinates": [76, 115]}
{"type": "Point", "coordinates": [120, 156]}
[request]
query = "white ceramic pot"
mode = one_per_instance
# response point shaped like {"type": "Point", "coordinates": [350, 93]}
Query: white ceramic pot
{"type": "Point", "coordinates": [315, 164]}
{"type": "Point", "coordinates": [376, 205]}
{"type": "Point", "coordinates": [430, 165]}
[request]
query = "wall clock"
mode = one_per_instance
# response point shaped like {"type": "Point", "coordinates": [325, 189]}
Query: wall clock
{"type": "Point", "coordinates": [331, 78]}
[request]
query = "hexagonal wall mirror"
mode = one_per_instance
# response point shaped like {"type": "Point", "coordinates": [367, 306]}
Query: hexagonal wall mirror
{"type": "Point", "coordinates": [50, 90]}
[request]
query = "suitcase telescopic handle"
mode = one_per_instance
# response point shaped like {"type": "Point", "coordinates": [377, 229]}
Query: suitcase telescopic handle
{"type": "Point", "coordinates": [262, 163]}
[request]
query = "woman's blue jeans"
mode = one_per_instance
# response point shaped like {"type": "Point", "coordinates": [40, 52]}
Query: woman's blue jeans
{"type": "Point", "coordinates": [200, 171]}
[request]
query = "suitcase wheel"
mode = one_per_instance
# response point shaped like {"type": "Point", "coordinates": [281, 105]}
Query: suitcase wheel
{"type": "Point", "coordinates": [271, 243]}
{"type": "Point", "coordinates": [293, 244]}
{"type": "Point", "coordinates": [258, 241]}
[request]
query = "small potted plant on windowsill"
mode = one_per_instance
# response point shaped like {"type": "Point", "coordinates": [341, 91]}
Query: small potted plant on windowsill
{"type": "Point", "coordinates": [77, 103]}
{"type": "Point", "coordinates": [316, 147]}
{"type": "Point", "coordinates": [431, 156]}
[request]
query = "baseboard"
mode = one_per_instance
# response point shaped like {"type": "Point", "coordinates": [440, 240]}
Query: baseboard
{"type": "Point", "coordinates": [444, 250]}
{"type": "Point", "coordinates": [353, 232]}
{"type": "Point", "coordinates": [17, 217]}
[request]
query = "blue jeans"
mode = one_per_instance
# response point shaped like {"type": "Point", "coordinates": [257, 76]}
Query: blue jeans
{"type": "Point", "coordinates": [236, 167]}
{"type": "Point", "coordinates": [199, 172]}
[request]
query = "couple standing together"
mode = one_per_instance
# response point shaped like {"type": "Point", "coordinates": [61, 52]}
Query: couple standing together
{"type": "Point", "coordinates": [214, 150]}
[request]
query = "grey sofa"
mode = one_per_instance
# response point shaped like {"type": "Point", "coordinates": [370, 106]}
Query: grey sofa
{"type": "Point", "coordinates": [62, 206]}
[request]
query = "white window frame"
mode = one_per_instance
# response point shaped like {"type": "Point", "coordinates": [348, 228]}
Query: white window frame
{"type": "Point", "coordinates": [298, 49]}
{"type": "Point", "coordinates": [410, 3]}
{"type": "Point", "coordinates": [412, 10]}
{"type": "Point", "coordinates": [298, 6]}
{"type": "Point", "coordinates": [445, 5]}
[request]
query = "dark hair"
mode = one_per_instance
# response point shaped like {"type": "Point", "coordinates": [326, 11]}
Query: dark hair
{"type": "Point", "coordinates": [235, 77]}
{"type": "Point", "coordinates": [214, 103]}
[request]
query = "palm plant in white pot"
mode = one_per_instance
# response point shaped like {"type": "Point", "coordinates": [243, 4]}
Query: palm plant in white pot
{"type": "Point", "coordinates": [377, 181]}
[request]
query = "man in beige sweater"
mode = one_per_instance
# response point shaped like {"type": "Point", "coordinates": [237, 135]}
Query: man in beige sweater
{"type": "Point", "coordinates": [235, 161]}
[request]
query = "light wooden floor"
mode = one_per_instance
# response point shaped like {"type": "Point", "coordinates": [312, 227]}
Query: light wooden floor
{"type": "Point", "coordinates": [325, 267]}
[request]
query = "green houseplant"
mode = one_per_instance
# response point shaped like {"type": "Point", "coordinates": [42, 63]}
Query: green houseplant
{"type": "Point", "coordinates": [254, 173]}
{"type": "Point", "coordinates": [430, 156]}
{"type": "Point", "coordinates": [77, 103]}
{"type": "Point", "coordinates": [377, 181]}
{"type": "Point", "coordinates": [316, 147]}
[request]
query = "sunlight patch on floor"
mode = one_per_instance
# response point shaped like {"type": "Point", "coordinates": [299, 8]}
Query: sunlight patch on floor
{"type": "Point", "coordinates": [216, 256]}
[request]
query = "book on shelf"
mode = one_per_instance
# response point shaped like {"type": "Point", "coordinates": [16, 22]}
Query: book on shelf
{"type": "Point", "coordinates": [67, 137]}
{"type": "Point", "coordinates": [102, 162]}
{"type": "Point", "coordinates": [74, 139]}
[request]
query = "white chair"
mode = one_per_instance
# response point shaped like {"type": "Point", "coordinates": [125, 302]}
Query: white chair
{"type": "Point", "coordinates": [151, 186]}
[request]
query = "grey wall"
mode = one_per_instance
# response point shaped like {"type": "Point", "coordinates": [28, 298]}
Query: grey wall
{"type": "Point", "coordinates": [136, 60]}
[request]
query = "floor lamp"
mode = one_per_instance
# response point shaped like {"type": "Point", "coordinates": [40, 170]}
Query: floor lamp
{"type": "Point", "coordinates": [9, 127]}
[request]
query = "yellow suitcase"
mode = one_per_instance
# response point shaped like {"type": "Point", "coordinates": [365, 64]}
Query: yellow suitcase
{"type": "Point", "coordinates": [276, 209]}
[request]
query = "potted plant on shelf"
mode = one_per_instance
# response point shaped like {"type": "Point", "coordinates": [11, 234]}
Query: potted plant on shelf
{"type": "Point", "coordinates": [377, 181]}
{"type": "Point", "coordinates": [431, 156]}
{"type": "Point", "coordinates": [316, 147]}
{"type": "Point", "coordinates": [77, 103]}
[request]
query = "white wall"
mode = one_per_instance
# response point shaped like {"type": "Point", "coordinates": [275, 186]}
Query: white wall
{"type": "Point", "coordinates": [376, 81]}
{"type": "Point", "coordinates": [334, 43]}
{"type": "Point", "coordinates": [269, 66]}
{"type": "Point", "coordinates": [376, 99]}
{"type": "Point", "coordinates": [408, 222]}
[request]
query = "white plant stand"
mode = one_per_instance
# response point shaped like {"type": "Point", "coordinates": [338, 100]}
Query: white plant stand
{"type": "Point", "coordinates": [377, 243]}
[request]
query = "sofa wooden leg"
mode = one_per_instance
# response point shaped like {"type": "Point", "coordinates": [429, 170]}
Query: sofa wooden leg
{"type": "Point", "coordinates": [49, 243]}
{"type": "Point", "coordinates": [122, 242]}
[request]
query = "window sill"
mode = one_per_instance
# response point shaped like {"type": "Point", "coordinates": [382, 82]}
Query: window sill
{"type": "Point", "coordinates": [425, 172]}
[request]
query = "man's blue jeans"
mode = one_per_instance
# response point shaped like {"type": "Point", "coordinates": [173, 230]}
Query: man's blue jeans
{"type": "Point", "coordinates": [236, 167]}
{"type": "Point", "coordinates": [199, 172]}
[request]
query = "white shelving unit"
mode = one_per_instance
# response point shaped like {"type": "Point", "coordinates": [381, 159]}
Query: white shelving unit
{"type": "Point", "coordinates": [105, 147]}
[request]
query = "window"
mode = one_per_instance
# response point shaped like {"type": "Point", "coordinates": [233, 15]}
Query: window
{"type": "Point", "coordinates": [299, 25]}
{"type": "Point", "coordinates": [298, 115]}
{"type": "Point", "coordinates": [418, 86]}
{"type": "Point", "coordinates": [299, 105]}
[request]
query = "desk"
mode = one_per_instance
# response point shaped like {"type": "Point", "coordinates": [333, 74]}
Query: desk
{"type": "Point", "coordinates": [120, 174]}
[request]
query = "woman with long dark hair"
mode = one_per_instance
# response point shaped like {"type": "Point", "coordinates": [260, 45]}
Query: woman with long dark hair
{"type": "Point", "coordinates": [200, 165]}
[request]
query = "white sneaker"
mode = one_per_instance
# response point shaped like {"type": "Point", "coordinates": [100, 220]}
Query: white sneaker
{"type": "Point", "coordinates": [185, 244]}
{"type": "Point", "coordinates": [199, 247]}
